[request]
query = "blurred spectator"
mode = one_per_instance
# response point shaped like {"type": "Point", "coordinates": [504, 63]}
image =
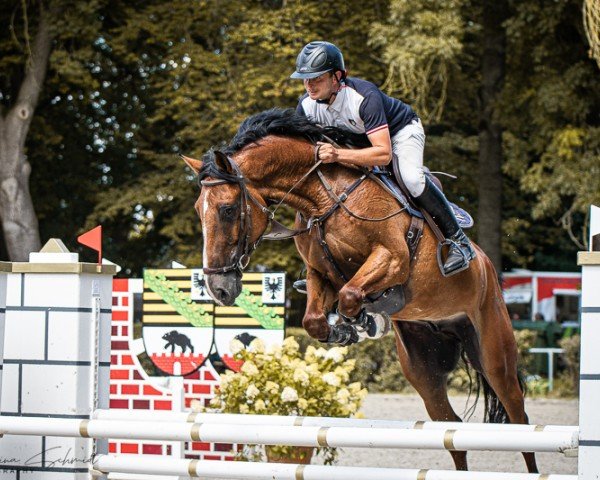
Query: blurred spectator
{"type": "Point", "coordinates": [515, 317]}
{"type": "Point", "coordinates": [538, 317]}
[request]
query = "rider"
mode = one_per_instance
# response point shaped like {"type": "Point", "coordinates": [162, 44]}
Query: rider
{"type": "Point", "coordinates": [357, 105]}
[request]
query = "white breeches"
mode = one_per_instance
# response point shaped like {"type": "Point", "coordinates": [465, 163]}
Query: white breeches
{"type": "Point", "coordinates": [408, 145]}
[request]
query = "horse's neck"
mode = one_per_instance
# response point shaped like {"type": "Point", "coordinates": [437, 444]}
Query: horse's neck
{"type": "Point", "coordinates": [278, 166]}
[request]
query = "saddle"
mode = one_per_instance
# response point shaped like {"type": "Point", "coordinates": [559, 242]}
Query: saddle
{"type": "Point", "coordinates": [393, 184]}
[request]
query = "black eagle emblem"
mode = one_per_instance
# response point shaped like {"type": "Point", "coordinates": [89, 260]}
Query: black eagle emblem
{"type": "Point", "coordinates": [273, 285]}
{"type": "Point", "coordinates": [199, 283]}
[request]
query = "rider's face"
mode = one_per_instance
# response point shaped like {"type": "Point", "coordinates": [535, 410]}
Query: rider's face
{"type": "Point", "coordinates": [321, 87]}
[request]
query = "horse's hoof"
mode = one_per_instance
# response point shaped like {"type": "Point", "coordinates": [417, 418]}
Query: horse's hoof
{"type": "Point", "coordinates": [375, 326]}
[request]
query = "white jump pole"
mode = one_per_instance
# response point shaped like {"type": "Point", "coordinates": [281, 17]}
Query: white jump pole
{"type": "Point", "coordinates": [296, 436]}
{"type": "Point", "coordinates": [299, 421]}
{"type": "Point", "coordinates": [280, 471]}
{"type": "Point", "coordinates": [589, 381]}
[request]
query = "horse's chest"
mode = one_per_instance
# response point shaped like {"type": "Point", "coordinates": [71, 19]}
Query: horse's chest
{"type": "Point", "coordinates": [332, 256]}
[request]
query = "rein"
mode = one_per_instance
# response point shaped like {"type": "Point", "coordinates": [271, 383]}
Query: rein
{"type": "Point", "coordinates": [244, 246]}
{"type": "Point", "coordinates": [279, 231]}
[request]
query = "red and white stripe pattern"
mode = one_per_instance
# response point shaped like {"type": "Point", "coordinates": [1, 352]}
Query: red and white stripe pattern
{"type": "Point", "coordinates": [377, 129]}
{"type": "Point", "coordinates": [132, 389]}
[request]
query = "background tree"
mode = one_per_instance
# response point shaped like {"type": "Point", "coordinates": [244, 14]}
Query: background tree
{"type": "Point", "coordinates": [131, 84]}
{"type": "Point", "coordinates": [27, 50]}
{"type": "Point", "coordinates": [551, 115]}
{"type": "Point", "coordinates": [489, 214]}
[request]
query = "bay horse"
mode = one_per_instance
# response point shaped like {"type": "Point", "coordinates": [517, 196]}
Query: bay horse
{"type": "Point", "coordinates": [271, 160]}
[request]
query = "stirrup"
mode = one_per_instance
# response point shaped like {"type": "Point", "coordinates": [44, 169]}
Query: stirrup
{"type": "Point", "coordinates": [466, 256]}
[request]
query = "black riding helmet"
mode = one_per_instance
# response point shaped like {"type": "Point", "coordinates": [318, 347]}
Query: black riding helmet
{"type": "Point", "coordinates": [316, 58]}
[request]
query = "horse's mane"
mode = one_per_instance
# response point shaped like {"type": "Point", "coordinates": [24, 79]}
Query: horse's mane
{"type": "Point", "coordinates": [288, 123]}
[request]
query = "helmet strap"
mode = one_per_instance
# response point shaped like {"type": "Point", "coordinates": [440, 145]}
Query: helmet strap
{"type": "Point", "coordinates": [341, 80]}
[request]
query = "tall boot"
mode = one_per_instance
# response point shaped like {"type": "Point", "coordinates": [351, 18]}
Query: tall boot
{"type": "Point", "coordinates": [460, 251]}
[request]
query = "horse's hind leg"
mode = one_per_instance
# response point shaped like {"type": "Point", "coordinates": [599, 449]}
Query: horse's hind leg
{"type": "Point", "coordinates": [427, 357]}
{"type": "Point", "coordinates": [498, 356]}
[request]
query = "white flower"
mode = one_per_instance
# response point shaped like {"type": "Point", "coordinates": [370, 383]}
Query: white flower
{"type": "Point", "coordinates": [271, 387]}
{"type": "Point", "coordinates": [302, 403]}
{"type": "Point", "coordinates": [310, 353]}
{"type": "Point", "coordinates": [301, 376]}
{"type": "Point", "coordinates": [342, 396]}
{"type": "Point", "coordinates": [275, 350]}
{"type": "Point", "coordinates": [257, 345]}
{"type": "Point", "coordinates": [321, 352]}
{"type": "Point", "coordinates": [259, 406]}
{"type": "Point", "coordinates": [335, 354]}
{"type": "Point", "coordinates": [235, 346]}
{"type": "Point", "coordinates": [252, 391]}
{"type": "Point", "coordinates": [332, 379]}
{"type": "Point", "coordinates": [244, 408]}
{"type": "Point", "coordinates": [342, 373]}
{"type": "Point", "coordinates": [249, 368]}
{"type": "Point", "coordinates": [290, 345]}
{"type": "Point", "coordinates": [362, 394]}
{"type": "Point", "coordinates": [289, 394]}
{"type": "Point", "coordinates": [354, 387]}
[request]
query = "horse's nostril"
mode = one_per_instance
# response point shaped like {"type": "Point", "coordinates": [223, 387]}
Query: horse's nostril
{"type": "Point", "coordinates": [222, 294]}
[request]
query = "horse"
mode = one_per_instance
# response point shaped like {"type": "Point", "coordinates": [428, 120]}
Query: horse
{"type": "Point", "coordinates": [272, 160]}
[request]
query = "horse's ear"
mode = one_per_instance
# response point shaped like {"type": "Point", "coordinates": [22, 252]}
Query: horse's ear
{"type": "Point", "coordinates": [194, 164]}
{"type": "Point", "coordinates": [223, 162]}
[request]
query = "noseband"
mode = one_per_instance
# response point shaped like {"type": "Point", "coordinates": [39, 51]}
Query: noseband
{"type": "Point", "coordinates": [244, 246]}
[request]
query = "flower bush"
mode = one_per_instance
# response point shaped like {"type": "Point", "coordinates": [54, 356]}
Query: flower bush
{"type": "Point", "coordinates": [282, 381]}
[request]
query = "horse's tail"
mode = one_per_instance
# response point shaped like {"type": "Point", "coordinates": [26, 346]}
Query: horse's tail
{"type": "Point", "coordinates": [493, 410]}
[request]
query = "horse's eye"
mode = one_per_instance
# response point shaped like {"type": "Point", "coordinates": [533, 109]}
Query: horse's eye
{"type": "Point", "coordinates": [226, 212]}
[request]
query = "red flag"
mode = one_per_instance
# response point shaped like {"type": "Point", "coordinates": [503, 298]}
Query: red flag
{"type": "Point", "coordinates": [93, 239]}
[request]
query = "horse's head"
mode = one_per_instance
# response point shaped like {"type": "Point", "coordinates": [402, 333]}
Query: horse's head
{"type": "Point", "coordinates": [233, 217]}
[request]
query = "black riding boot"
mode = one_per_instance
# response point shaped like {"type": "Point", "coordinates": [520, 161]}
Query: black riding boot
{"type": "Point", "coordinates": [460, 251]}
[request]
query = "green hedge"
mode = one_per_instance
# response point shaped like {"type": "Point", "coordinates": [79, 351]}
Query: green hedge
{"type": "Point", "coordinates": [378, 368]}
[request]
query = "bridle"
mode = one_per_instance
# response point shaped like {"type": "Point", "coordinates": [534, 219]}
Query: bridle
{"type": "Point", "coordinates": [278, 231]}
{"type": "Point", "coordinates": [245, 246]}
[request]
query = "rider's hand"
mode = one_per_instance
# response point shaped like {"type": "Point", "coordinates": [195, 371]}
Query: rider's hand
{"type": "Point", "coordinates": [327, 153]}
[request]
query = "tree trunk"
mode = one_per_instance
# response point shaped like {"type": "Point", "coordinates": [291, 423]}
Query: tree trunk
{"type": "Point", "coordinates": [19, 222]}
{"type": "Point", "coordinates": [495, 12]}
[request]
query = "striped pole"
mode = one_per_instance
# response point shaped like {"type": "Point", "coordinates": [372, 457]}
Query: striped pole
{"type": "Point", "coordinates": [299, 421]}
{"type": "Point", "coordinates": [147, 464]}
{"type": "Point", "coordinates": [297, 436]}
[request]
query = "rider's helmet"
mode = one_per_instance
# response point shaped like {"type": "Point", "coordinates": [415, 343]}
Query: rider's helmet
{"type": "Point", "coordinates": [316, 58]}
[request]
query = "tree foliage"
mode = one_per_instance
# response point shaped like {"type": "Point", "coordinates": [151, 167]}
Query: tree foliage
{"type": "Point", "coordinates": [132, 84]}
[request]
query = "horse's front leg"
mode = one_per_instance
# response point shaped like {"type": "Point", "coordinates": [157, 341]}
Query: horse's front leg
{"type": "Point", "coordinates": [380, 271]}
{"type": "Point", "coordinates": [319, 301]}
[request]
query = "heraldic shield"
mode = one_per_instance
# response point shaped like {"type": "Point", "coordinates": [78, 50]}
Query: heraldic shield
{"type": "Point", "coordinates": [177, 329]}
{"type": "Point", "coordinates": [182, 327]}
{"type": "Point", "coordinates": [259, 312]}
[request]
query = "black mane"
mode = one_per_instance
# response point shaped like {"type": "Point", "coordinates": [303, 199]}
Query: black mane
{"type": "Point", "coordinates": [284, 122]}
{"type": "Point", "coordinates": [287, 122]}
